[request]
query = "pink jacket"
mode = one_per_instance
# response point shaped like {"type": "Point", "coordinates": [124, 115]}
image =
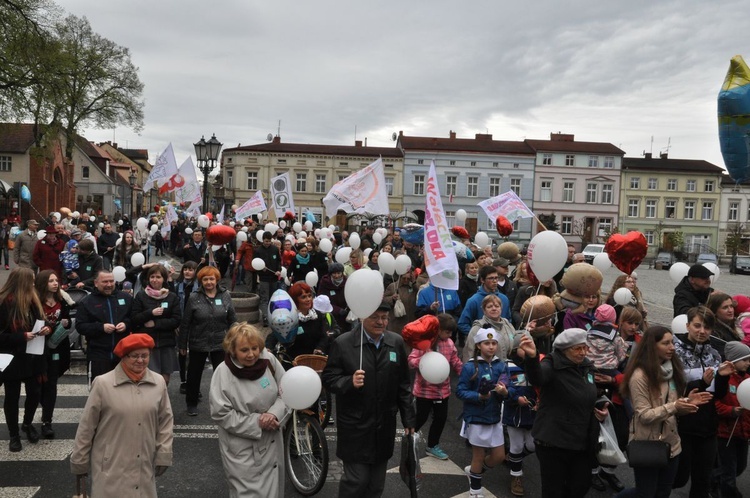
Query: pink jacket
{"type": "Point", "coordinates": [422, 388]}
{"type": "Point", "coordinates": [743, 326]}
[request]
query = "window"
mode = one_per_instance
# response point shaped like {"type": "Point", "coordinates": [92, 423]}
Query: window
{"type": "Point", "coordinates": [709, 186]}
{"type": "Point", "coordinates": [420, 161]}
{"type": "Point", "coordinates": [450, 184]}
{"type": "Point", "coordinates": [301, 182]}
{"type": "Point", "coordinates": [229, 160]}
{"type": "Point", "coordinates": [494, 187]}
{"type": "Point", "coordinates": [653, 183]}
{"type": "Point", "coordinates": [689, 210]}
{"type": "Point", "coordinates": [388, 166]}
{"type": "Point", "coordinates": [635, 183]}
{"type": "Point", "coordinates": [670, 209]}
{"type": "Point", "coordinates": [570, 160]}
{"type": "Point", "coordinates": [546, 194]}
{"type": "Point", "coordinates": [547, 159]}
{"type": "Point", "coordinates": [592, 189]}
{"type": "Point", "coordinates": [343, 164]}
{"type": "Point", "coordinates": [690, 186]}
{"type": "Point", "coordinates": [593, 161]}
{"type": "Point", "coordinates": [320, 184]}
{"type": "Point", "coordinates": [708, 211]}
{"type": "Point", "coordinates": [515, 186]}
{"type": "Point", "coordinates": [496, 164]}
{"type": "Point", "coordinates": [650, 208]}
{"type": "Point", "coordinates": [633, 208]}
{"type": "Point", "coordinates": [734, 211]}
{"type": "Point", "coordinates": [605, 226]}
{"type": "Point", "coordinates": [566, 227]}
{"type": "Point", "coordinates": [450, 216]}
{"type": "Point", "coordinates": [343, 177]}
{"type": "Point", "coordinates": [649, 237]}
{"type": "Point", "coordinates": [6, 163]}
{"type": "Point", "coordinates": [230, 179]}
{"type": "Point", "coordinates": [609, 162]}
{"type": "Point", "coordinates": [568, 191]}
{"type": "Point", "coordinates": [490, 224]}
{"type": "Point", "coordinates": [252, 180]}
{"type": "Point", "coordinates": [418, 184]}
{"type": "Point", "coordinates": [301, 162]}
{"type": "Point", "coordinates": [516, 165]}
{"type": "Point", "coordinates": [320, 163]}
{"type": "Point", "coordinates": [473, 163]}
{"type": "Point", "coordinates": [472, 186]}
{"type": "Point", "coordinates": [389, 185]}
{"type": "Point", "coordinates": [672, 184]}
{"type": "Point", "coordinates": [85, 172]}
{"type": "Point", "coordinates": [453, 163]}
{"type": "Point", "coordinates": [281, 161]}
{"type": "Point", "coordinates": [607, 193]}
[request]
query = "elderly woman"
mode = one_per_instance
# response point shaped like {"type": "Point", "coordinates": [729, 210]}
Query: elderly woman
{"type": "Point", "coordinates": [124, 437]}
{"type": "Point", "coordinates": [207, 317]}
{"type": "Point", "coordinates": [405, 289]}
{"type": "Point", "coordinates": [492, 308]}
{"type": "Point", "coordinates": [566, 429]}
{"type": "Point", "coordinates": [246, 405]}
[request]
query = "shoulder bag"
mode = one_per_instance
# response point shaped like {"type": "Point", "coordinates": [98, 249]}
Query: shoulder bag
{"type": "Point", "coordinates": [653, 453]}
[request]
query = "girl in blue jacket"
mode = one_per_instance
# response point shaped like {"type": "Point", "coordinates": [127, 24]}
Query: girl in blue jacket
{"type": "Point", "coordinates": [482, 388]}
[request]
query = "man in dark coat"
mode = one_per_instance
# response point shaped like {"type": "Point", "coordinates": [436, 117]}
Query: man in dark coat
{"type": "Point", "coordinates": [367, 399]}
{"type": "Point", "coordinates": [268, 278]}
{"type": "Point", "coordinates": [693, 290]}
{"type": "Point", "coordinates": [89, 264]}
{"type": "Point", "coordinates": [106, 245]}
{"type": "Point", "coordinates": [194, 250]}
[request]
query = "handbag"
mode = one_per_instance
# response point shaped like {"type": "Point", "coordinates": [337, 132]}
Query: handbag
{"type": "Point", "coordinates": [653, 453]}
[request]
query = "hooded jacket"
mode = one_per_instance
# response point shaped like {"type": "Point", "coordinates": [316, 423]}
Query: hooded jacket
{"type": "Point", "coordinates": [481, 411]}
{"type": "Point", "coordinates": [473, 309]}
{"type": "Point", "coordinates": [685, 297]}
{"type": "Point", "coordinates": [93, 312]}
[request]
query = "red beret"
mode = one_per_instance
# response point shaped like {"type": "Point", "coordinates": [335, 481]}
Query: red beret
{"type": "Point", "coordinates": [133, 342]}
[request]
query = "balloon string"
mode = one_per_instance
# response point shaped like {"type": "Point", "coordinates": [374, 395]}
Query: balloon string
{"type": "Point", "coordinates": [361, 341]}
{"type": "Point", "coordinates": [539, 288]}
{"type": "Point", "coordinates": [732, 433]}
{"type": "Point", "coordinates": [442, 299]}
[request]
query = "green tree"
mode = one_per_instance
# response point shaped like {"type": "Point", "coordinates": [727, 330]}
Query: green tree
{"type": "Point", "coordinates": [549, 221]}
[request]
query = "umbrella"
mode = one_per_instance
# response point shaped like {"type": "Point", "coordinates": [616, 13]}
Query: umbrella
{"type": "Point", "coordinates": [5, 187]}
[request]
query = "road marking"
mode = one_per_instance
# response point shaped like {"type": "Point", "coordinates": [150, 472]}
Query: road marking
{"type": "Point", "coordinates": [61, 416]}
{"type": "Point", "coordinates": [18, 492]}
{"type": "Point", "coordinates": [45, 450]}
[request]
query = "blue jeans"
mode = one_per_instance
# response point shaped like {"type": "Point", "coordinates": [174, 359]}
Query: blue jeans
{"type": "Point", "coordinates": [652, 483]}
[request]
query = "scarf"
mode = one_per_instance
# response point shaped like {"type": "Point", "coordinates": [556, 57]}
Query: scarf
{"type": "Point", "coordinates": [666, 370]}
{"type": "Point", "coordinates": [338, 281]}
{"type": "Point", "coordinates": [135, 377]}
{"type": "Point", "coordinates": [311, 315]}
{"type": "Point", "coordinates": [157, 294]}
{"type": "Point", "coordinates": [248, 373]}
{"type": "Point", "coordinates": [301, 260]}
{"type": "Point", "coordinates": [472, 277]}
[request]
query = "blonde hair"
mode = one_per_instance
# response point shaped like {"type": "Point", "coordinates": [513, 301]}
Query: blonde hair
{"type": "Point", "coordinates": [242, 331]}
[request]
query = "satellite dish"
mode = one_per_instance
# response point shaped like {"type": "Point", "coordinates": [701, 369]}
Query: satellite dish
{"type": "Point", "coordinates": [394, 136]}
{"type": "Point", "coordinates": [269, 137]}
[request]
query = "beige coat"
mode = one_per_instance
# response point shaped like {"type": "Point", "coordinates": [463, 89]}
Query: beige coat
{"type": "Point", "coordinates": [408, 295]}
{"type": "Point", "coordinates": [24, 250]}
{"type": "Point", "coordinates": [651, 412]}
{"type": "Point", "coordinates": [124, 433]}
{"type": "Point", "coordinates": [253, 459]}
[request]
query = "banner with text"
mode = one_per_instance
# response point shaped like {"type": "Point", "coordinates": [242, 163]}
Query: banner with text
{"type": "Point", "coordinates": [361, 192]}
{"type": "Point", "coordinates": [440, 257]}
{"type": "Point", "coordinates": [254, 205]}
{"type": "Point", "coordinates": [281, 195]}
{"type": "Point", "coordinates": [507, 204]}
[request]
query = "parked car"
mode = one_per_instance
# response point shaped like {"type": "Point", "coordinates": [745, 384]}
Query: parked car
{"type": "Point", "coordinates": [666, 258]}
{"type": "Point", "coordinates": [590, 252]}
{"type": "Point", "coordinates": [706, 257]}
{"type": "Point", "coordinates": [741, 265]}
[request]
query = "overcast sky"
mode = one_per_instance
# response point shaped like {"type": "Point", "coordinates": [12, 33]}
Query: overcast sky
{"type": "Point", "coordinates": [618, 72]}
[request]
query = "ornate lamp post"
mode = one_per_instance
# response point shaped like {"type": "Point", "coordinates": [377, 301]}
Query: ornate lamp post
{"type": "Point", "coordinates": [207, 153]}
{"type": "Point", "coordinates": [132, 179]}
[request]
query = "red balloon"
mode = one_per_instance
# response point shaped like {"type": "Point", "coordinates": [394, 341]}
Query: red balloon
{"type": "Point", "coordinates": [288, 216]}
{"type": "Point", "coordinates": [626, 251]}
{"type": "Point", "coordinates": [460, 232]}
{"type": "Point", "coordinates": [220, 234]}
{"type": "Point", "coordinates": [504, 227]}
{"type": "Point", "coordinates": [421, 332]}
{"type": "Point", "coordinates": [210, 215]}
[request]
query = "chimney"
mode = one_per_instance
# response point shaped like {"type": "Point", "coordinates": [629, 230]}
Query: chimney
{"type": "Point", "coordinates": [561, 137]}
{"type": "Point", "coordinates": [277, 139]}
{"type": "Point", "coordinates": [647, 155]}
{"type": "Point", "coordinates": [114, 145]}
{"type": "Point", "coordinates": [452, 135]}
{"type": "Point", "coordinates": [358, 143]}
{"type": "Point", "coordinates": [483, 136]}
{"type": "Point", "coordinates": [663, 155]}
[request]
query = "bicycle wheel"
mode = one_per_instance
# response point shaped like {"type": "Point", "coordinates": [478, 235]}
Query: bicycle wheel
{"type": "Point", "coordinates": [325, 407]}
{"type": "Point", "coordinates": [306, 454]}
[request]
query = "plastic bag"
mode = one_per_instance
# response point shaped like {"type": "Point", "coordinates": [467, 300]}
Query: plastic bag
{"type": "Point", "coordinates": [399, 310]}
{"type": "Point", "coordinates": [410, 470]}
{"type": "Point", "coordinates": [609, 452]}
{"type": "Point", "coordinates": [351, 317]}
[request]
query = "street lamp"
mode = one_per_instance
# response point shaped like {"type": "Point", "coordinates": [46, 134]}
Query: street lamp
{"type": "Point", "coordinates": [132, 179]}
{"type": "Point", "coordinates": [207, 153]}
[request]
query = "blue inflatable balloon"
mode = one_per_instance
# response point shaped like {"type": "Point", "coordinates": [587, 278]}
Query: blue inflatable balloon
{"type": "Point", "coordinates": [734, 120]}
{"type": "Point", "coordinates": [25, 193]}
{"type": "Point", "coordinates": [283, 316]}
{"type": "Point", "coordinates": [413, 233]}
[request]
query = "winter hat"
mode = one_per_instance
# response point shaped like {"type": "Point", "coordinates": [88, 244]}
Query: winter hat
{"type": "Point", "coordinates": [570, 338]}
{"type": "Point", "coordinates": [71, 244]}
{"type": "Point", "coordinates": [322, 304]}
{"type": "Point", "coordinates": [488, 334]}
{"type": "Point", "coordinates": [699, 271]}
{"type": "Point", "coordinates": [605, 314]}
{"type": "Point", "coordinates": [335, 268]}
{"type": "Point", "coordinates": [133, 342]}
{"type": "Point", "coordinates": [743, 303]}
{"type": "Point", "coordinates": [736, 351]}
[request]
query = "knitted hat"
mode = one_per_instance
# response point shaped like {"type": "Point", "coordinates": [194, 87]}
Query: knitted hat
{"type": "Point", "coordinates": [605, 314]}
{"type": "Point", "coordinates": [570, 338]}
{"type": "Point", "coordinates": [133, 342]}
{"type": "Point", "coordinates": [736, 351]}
{"type": "Point", "coordinates": [700, 271]}
{"type": "Point", "coordinates": [488, 334]}
{"type": "Point", "coordinates": [743, 303]}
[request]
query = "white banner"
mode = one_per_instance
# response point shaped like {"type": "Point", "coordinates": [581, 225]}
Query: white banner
{"type": "Point", "coordinates": [190, 190]}
{"type": "Point", "coordinates": [163, 170]}
{"type": "Point", "coordinates": [220, 216]}
{"type": "Point", "coordinates": [254, 205]}
{"type": "Point", "coordinates": [281, 195]}
{"type": "Point", "coordinates": [440, 257]}
{"type": "Point", "coordinates": [507, 204]}
{"type": "Point", "coordinates": [169, 217]}
{"type": "Point", "coordinates": [361, 192]}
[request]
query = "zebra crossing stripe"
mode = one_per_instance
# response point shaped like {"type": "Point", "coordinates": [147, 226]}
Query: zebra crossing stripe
{"type": "Point", "coordinates": [19, 492]}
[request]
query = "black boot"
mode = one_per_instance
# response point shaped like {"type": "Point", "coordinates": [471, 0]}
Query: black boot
{"type": "Point", "coordinates": [15, 444]}
{"type": "Point", "coordinates": [47, 432]}
{"type": "Point", "coordinates": [31, 434]}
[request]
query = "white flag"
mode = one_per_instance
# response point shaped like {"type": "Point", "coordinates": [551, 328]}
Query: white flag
{"type": "Point", "coordinates": [169, 217]}
{"type": "Point", "coordinates": [190, 190]}
{"type": "Point", "coordinates": [163, 170]}
{"type": "Point", "coordinates": [281, 194]}
{"type": "Point", "coordinates": [361, 192]}
{"type": "Point", "coordinates": [507, 204]}
{"type": "Point", "coordinates": [440, 257]}
{"type": "Point", "coordinates": [220, 216]}
{"type": "Point", "coordinates": [254, 205]}
{"type": "Point", "coordinates": [194, 209]}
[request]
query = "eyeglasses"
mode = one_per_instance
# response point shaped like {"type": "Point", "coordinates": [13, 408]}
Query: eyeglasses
{"type": "Point", "coordinates": [580, 349]}
{"type": "Point", "coordinates": [381, 319]}
{"type": "Point", "coordinates": [136, 357]}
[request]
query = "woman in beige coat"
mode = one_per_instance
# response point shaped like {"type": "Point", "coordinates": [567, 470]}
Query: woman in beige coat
{"type": "Point", "coordinates": [246, 405]}
{"type": "Point", "coordinates": [405, 289]}
{"type": "Point", "coordinates": [125, 436]}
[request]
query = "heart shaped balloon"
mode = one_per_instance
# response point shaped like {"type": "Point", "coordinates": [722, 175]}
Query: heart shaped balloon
{"type": "Point", "coordinates": [421, 332]}
{"type": "Point", "coordinates": [504, 227]}
{"type": "Point", "coordinates": [460, 232]}
{"type": "Point", "coordinates": [220, 234]}
{"type": "Point", "coordinates": [626, 251]}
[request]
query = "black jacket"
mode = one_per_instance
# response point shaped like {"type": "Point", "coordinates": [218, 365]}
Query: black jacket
{"type": "Point", "coordinates": [93, 312]}
{"type": "Point", "coordinates": [685, 297]}
{"type": "Point", "coordinates": [366, 417]}
{"type": "Point", "coordinates": [13, 341]}
{"type": "Point", "coordinates": [270, 255]}
{"type": "Point", "coordinates": [193, 253]}
{"type": "Point", "coordinates": [88, 267]}
{"type": "Point", "coordinates": [164, 330]}
{"type": "Point", "coordinates": [298, 271]}
{"type": "Point", "coordinates": [106, 244]}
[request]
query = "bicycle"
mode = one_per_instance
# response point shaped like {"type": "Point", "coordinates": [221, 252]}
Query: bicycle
{"type": "Point", "coordinates": [317, 362]}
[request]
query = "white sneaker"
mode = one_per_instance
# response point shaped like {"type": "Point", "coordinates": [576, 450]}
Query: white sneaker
{"type": "Point", "coordinates": [476, 493]}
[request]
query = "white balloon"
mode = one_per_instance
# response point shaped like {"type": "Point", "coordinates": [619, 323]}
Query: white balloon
{"type": "Point", "coordinates": [92, 218]}
{"type": "Point", "coordinates": [41, 234]}
{"type": "Point", "coordinates": [679, 324]}
{"type": "Point", "coordinates": [241, 236]}
{"type": "Point", "coordinates": [302, 240]}
{"type": "Point", "coordinates": [234, 207]}
{"type": "Point", "coordinates": [364, 292]}
{"type": "Point", "coordinates": [245, 229]}
{"type": "Point", "coordinates": [367, 252]}
{"type": "Point", "coordinates": [258, 264]}
{"type": "Point", "coordinates": [137, 259]}
{"type": "Point", "coordinates": [154, 228]}
{"type": "Point", "coordinates": [308, 225]}
{"type": "Point", "coordinates": [290, 238]}
{"type": "Point", "coordinates": [547, 254]}
{"type": "Point", "coordinates": [623, 296]}
{"type": "Point", "coordinates": [482, 240]}
{"type": "Point", "coordinates": [76, 214]}
{"type": "Point", "coordinates": [602, 262]}
{"type": "Point", "coordinates": [141, 223]}
{"type": "Point", "coordinates": [203, 221]}
{"type": "Point", "coordinates": [189, 231]}
{"type": "Point", "coordinates": [715, 270]}
{"type": "Point", "coordinates": [282, 224]}
{"type": "Point", "coordinates": [119, 273]}
{"type": "Point", "coordinates": [387, 263]}
{"type": "Point", "coordinates": [269, 228]}
{"type": "Point", "coordinates": [297, 227]}
{"type": "Point", "coordinates": [101, 225]}
{"type": "Point", "coordinates": [325, 245]}
{"type": "Point", "coordinates": [377, 238]}
{"type": "Point", "coordinates": [57, 216]}
{"type": "Point", "coordinates": [232, 224]}
{"type": "Point", "coordinates": [678, 271]}
{"type": "Point", "coordinates": [332, 228]}
{"type": "Point", "coordinates": [342, 255]}
{"type": "Point", "coordinates": [120, 222]}
{"type": "Point", "coordinates": [311, 279]}
{"type": "Point", "coordinates": [323, 234]}
{"type": "Point", "coordinates": [434, 367]}
{"type": "Point", "coordinates": [354, 240]}
{"type": "Point", "coordinates": [215, 248]}
{"type": "Point", "coordinates": [403, 264]}
{"type": "Point", "coordinates": [302, 235]}
{"type": "Point", "coordinates": [460, 215]}
{"type": "Point", "coordinates": [300, 387]}
{"type": "Point", "coordinates": [259, 235]}
{"type": "Point", "coordinates": [743, 394]}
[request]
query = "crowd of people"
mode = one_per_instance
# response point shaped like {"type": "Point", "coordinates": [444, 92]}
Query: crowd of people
{"type": "Point", "coordinates": [544, 383]}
